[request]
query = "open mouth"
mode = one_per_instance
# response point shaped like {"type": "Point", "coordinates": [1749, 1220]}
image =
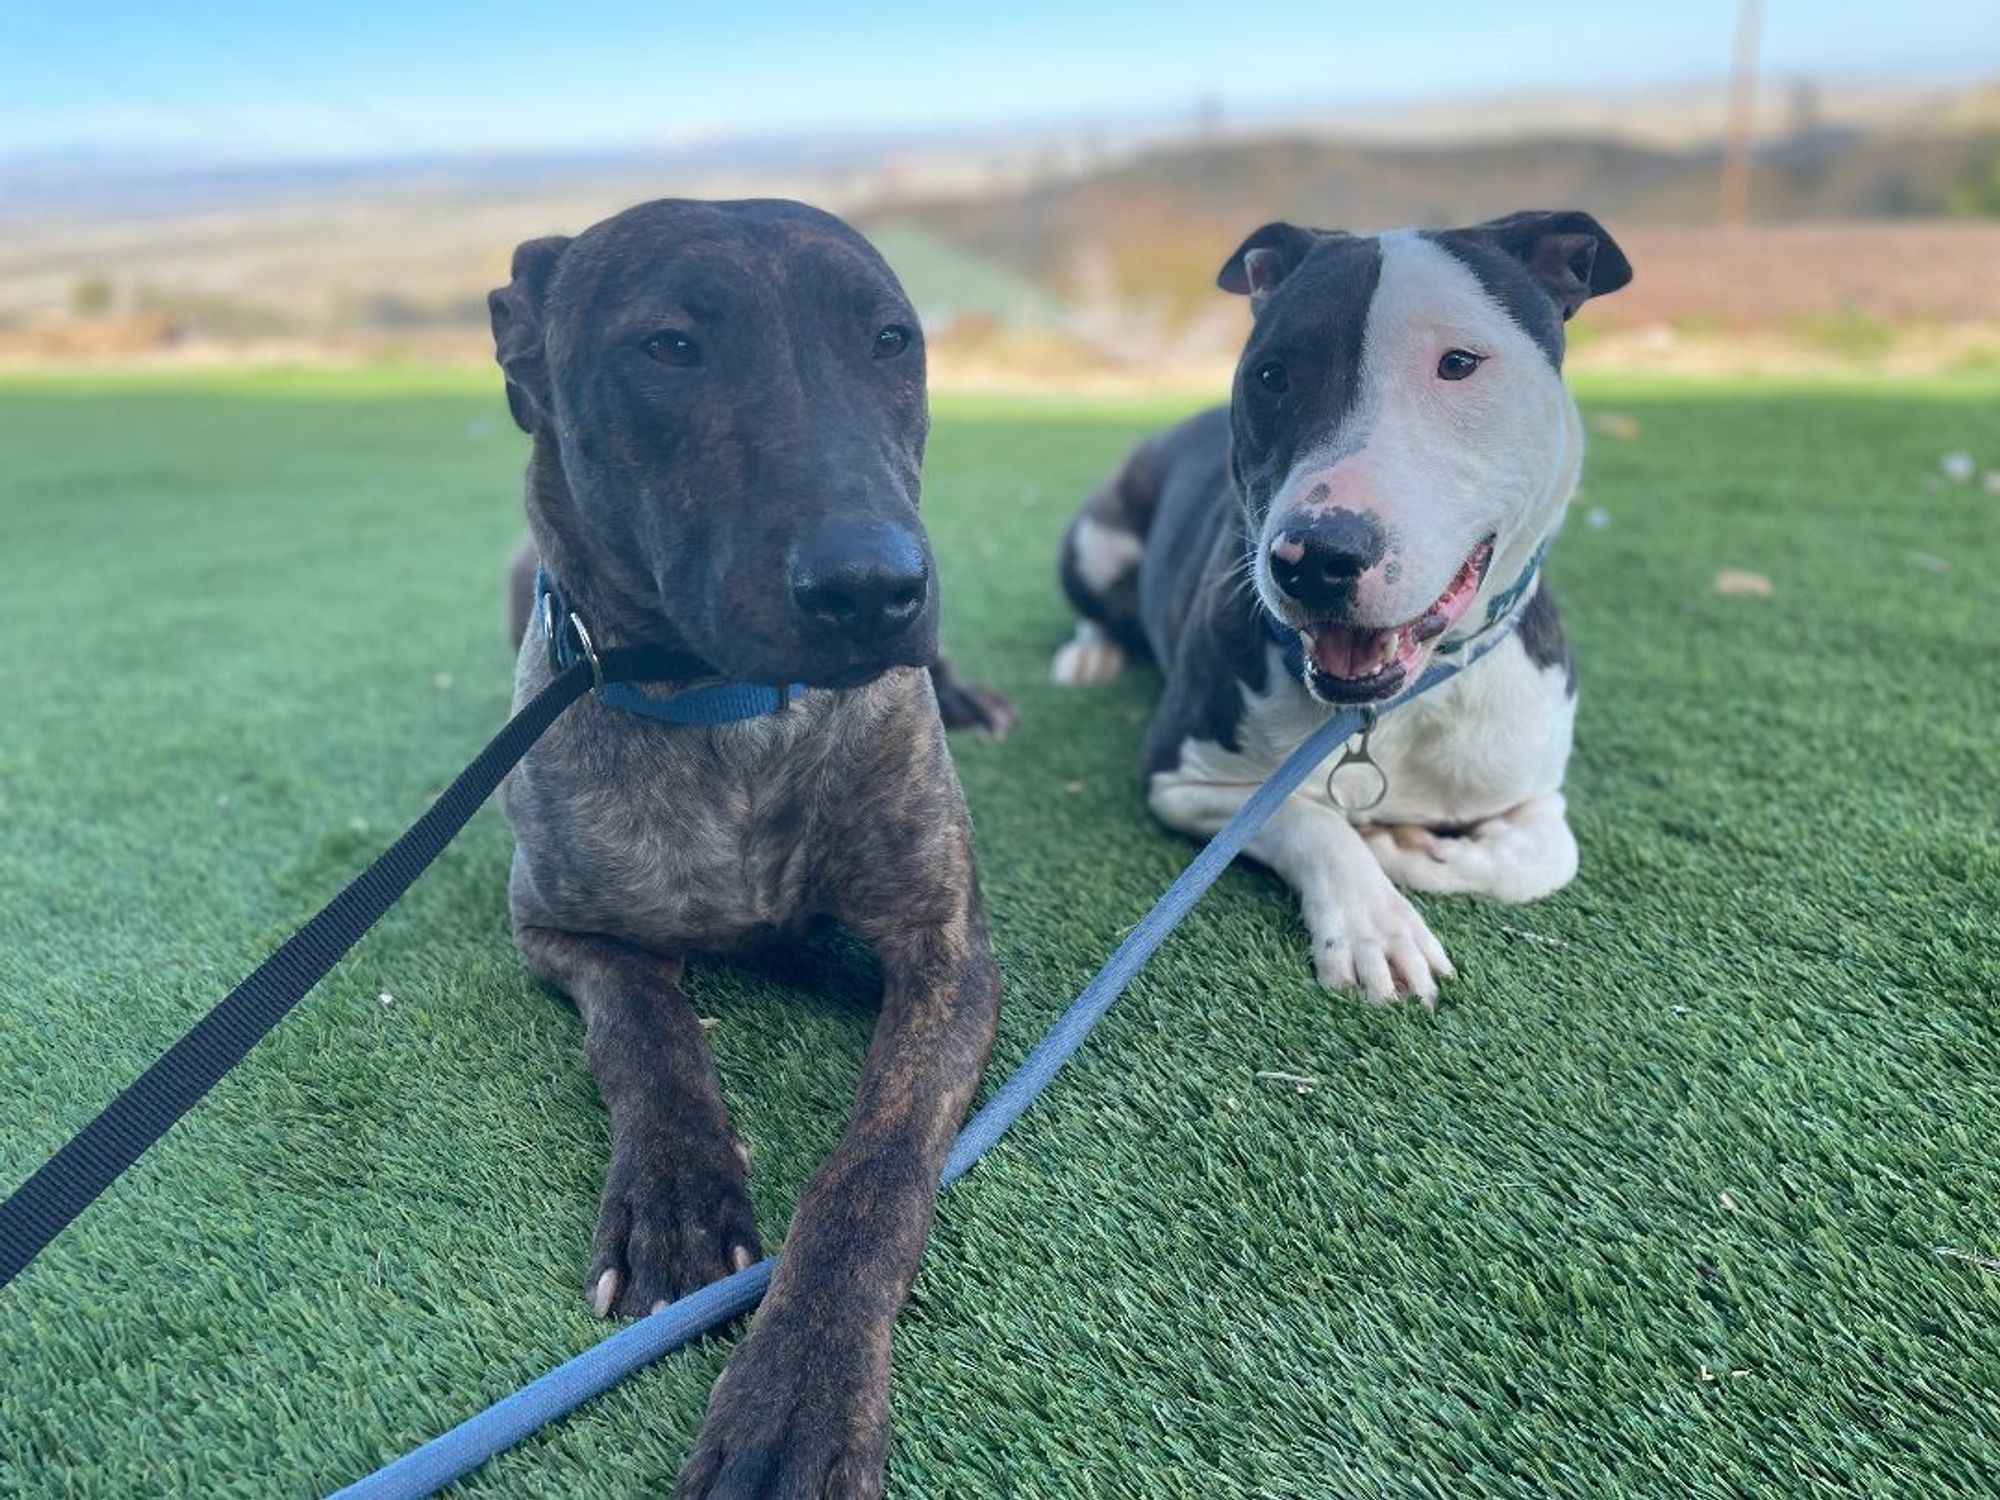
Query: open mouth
{"type": "Point", "coordinates": [1355, 663]}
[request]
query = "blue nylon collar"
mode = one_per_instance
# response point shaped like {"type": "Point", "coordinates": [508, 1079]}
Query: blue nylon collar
{"type": "Point", "coordinates": [1500, 610]}
{"type": "Point", "coordinates": [715, 703]}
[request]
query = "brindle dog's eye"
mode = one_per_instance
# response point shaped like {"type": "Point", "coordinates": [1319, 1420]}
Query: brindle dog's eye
{"type": "Point", "coordinates": [1456, 364]}
{"type": "Point", "coordinates": [673, 348]}
{"type": "Point", "coordinates": [892, 341]}
{"type": "Point", "coordinates": [1273, 378]}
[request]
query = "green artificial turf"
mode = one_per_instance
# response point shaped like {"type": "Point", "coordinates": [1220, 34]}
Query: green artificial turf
{"type": "Point", "coordinates": [1652, 1205]}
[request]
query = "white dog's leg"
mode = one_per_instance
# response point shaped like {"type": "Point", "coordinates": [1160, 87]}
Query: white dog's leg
{"type": "Point", "coordinates": [1522, 855]}
{"type": "Point", "coordinates": [1366, 936]}
{"type": "Point", "coordinates": [1087, 658]}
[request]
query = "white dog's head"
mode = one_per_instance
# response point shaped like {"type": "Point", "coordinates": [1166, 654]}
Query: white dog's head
{"type": "Point", "coordinates": [1402, 437]}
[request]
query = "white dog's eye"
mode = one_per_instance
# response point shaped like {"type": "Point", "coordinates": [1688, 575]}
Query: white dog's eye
{"type": "Point", "coordinates": [1456, 364]}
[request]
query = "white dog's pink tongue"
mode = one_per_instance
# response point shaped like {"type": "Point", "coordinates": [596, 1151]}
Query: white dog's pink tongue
{"type": "Point", "coordinates": [1353, 653]}
{"type": "Point", "coordinates": [1348, 652]}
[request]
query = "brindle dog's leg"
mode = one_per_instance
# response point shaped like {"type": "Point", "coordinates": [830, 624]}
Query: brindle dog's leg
{"type": "Point", "coordinates": [675, 1215]}
{"type": "Point", "coordinates": [803, 1408]}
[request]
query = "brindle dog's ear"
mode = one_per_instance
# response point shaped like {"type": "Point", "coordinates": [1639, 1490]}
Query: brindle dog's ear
{"type": "Point", "coordinates": [1267, 258]}
{"type": "Point", "coordinates": [1569, 253]}
{"type": "Point", "coordinates": [517, 328]}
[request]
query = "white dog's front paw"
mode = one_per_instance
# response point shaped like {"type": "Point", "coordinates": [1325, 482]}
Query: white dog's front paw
{"type": "Point", "coordinates": [1378, 944]}
{"type": "Point", "coordinates": [1088, 658]}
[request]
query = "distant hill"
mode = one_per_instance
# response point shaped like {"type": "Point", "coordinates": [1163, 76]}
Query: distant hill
{"type": "Point", "coordinates": [1157, 225]}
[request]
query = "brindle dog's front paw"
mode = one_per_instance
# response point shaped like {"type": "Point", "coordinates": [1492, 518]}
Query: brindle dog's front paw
{"type": "Point", "coordinates": [787, 1420]}
{"type": "Point", "coordinates": [675, 1216]}
{"type": "Point", "coordinates": [971, 705]}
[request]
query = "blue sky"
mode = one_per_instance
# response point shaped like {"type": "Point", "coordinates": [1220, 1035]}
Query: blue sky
{"type": "Point", "coordinates": [366, 77]}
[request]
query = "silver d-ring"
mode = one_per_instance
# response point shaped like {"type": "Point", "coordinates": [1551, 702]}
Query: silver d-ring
{"type": "Point", "coordinates": [1359, 755]}
{"type": "Point", "coordinates": [1358, 762]}
{"type": "Point", "coordinates": [589, 650]}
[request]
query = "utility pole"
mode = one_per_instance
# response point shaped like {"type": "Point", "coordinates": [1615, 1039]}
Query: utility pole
{"type": "Point", "coordinates": [1735, 204]}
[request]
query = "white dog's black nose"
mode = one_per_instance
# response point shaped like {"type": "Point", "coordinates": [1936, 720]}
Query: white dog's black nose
{"type": "Point", "coordinates": [1316, 561]}
{"type": "Point", "coordinates": [865, 583]}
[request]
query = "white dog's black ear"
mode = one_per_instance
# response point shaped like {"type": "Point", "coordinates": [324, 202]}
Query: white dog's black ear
{"type": "Point", "coordinates": [516, 309]}
{"type": "Point", "coordinates": [1267, 258]}
{"type": "Point", "coordinates": [1569, 253]}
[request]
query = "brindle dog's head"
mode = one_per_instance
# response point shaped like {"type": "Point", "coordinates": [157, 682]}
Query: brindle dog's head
{"type": "Point", "coordinates": [728, 413]}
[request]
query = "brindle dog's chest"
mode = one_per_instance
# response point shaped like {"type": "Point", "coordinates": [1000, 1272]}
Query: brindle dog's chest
{"type": "Point", "coordinates": [676, 837]}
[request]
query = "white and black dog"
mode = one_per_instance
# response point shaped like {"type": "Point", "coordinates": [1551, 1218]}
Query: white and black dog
{"type": "Point", "coordinates": [1398, 451]}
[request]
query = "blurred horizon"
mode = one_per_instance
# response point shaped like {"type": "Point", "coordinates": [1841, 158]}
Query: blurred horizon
{"type": "Point", "coordinates": [1801, 184]}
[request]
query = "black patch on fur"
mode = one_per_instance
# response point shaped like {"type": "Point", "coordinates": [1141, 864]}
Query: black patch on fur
{"type": "Point", "coordinates": [1218, 474]}
{"type": "Point", "coordinates": [1542, 637]}
{"type": "Point", "coordinates": [1312, 324]}
{"type": "Point", "coordinates": [1115, 607]}
{"type": "Point", "coordinates": [1199, 611]}
{"type": "Point", "coordinates": [1508, 283]}
{"type": "Point", "coordinates": [1540, 267]}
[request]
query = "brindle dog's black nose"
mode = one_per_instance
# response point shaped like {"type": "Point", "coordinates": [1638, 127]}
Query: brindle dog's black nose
{"type": "Point", "coordinates": [1317, 561]}
{"type": "Point", "coordinates": [865, 583]}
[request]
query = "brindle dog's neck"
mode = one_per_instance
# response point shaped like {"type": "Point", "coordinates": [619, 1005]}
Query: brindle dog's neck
{"type": "Point", "coordinates": [600, 576]}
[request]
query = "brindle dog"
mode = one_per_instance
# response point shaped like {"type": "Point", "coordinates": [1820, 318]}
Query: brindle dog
{"type": "Point", "coordinates": [728, 415]}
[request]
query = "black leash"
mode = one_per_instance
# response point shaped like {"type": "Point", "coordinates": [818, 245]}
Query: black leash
{"type": "Point", "coordinates": [71, 1180]}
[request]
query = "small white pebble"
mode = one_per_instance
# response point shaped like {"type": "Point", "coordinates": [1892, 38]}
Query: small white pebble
{"type": "Point", "coordinates": [386, 998]}
{"type": "Point", "coordinates": [1298, 1083]}
{"type": "Point", "coordinates": [1534, 937]}
{"type": "Point", "coordinates": [1741, 581]}
{"type": "Point", "coordinates": [1727, 1200]}
{"type": "Point", "coordinates": [1957, 466]}
{"type": "Point", "coordinates": [1680, 1010]}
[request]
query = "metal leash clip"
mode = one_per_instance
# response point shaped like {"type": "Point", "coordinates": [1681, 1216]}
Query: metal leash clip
{"type": "Point", "coordinates": [589, 650]}
{"type": "Point", "coordinates": [1357, 754]}
{"type": "Point", "coordinates": [553, 632]}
